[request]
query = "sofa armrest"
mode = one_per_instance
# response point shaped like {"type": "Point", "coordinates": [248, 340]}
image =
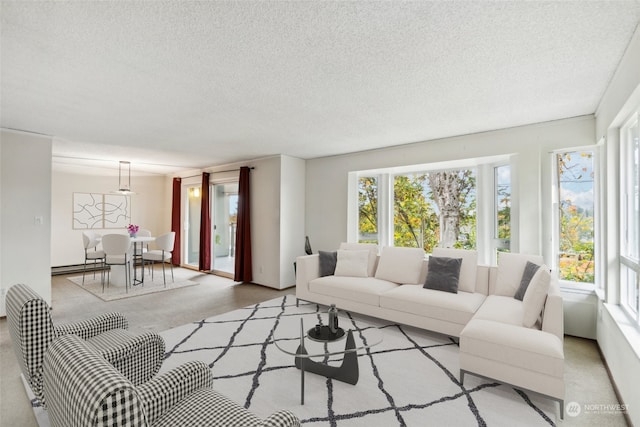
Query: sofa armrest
{"type": "Point", "coordinates": [166, 390]}
{"type": "Point", "coordinates": [89, 328]}
{"type": "Point", "coordinates": [307, 269]}
{"type": "Point", "coordinates": [553, 314]}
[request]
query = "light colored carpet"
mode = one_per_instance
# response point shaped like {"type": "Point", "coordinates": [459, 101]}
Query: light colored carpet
{"type": "Point", "coordinates": [115, 292]}
{"type": "Point", "coordinates": [410, 379]}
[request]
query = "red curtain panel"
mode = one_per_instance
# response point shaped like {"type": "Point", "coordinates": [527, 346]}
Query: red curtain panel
{"type": "Point", "coordinates": [243, 271]}
{"type": "Point", "coordinates": [204, 261]}
{"type": "Point", "coordinates": [175, 219]}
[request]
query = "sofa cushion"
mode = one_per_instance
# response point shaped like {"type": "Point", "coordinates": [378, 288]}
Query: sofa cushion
{"type": "Point", "coordinates": [456, 308]}
{"type": "Point", "coordinates": [365, 290]}
{"type": "Point", "coordinates": [528, 273]}
{"type": "Point", "coordinates": [510, 269]}
{"type": "Point", "coordinates": [327, 262]}
{"type": "Point", "coordinates": [501, 309]}
{"type": "Point", "coordinates": [400, 265]}
{"type": "Point", "coordinates": [535, 297]}
{"type": "Point", "coordinates": [468, 269]}
{"type": "Point", "coordinates": [373, 253]}
{"type": "Point", "coordinates": [524, 348]}
{"type": "Point", "coordinates": [443, 274]}
{"type": "Point", "coordinates": [352, 263]}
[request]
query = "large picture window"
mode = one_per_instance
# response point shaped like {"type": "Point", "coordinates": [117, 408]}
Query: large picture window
{"type": "Point", "coordinates": [630, 217]}
{"type": "Point", "coordinates": [424, 206]}
{"type": "Point", "coordinates": [435, 209]}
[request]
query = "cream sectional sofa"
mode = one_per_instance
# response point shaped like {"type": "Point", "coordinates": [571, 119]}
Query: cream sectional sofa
{"type": "Point", "coordinates": [494, 342]}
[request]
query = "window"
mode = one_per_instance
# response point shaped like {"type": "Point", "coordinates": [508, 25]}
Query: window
{"type": "Point", "coordinates": [502, 209]}
{"type": "Point", "coordinates": [368, 209]}
{"type": "Point", "coordinates": [630, 217]}
{"type": "Point", "coordinates": [435, 208]}
{"type": "Point", "coordinates": [575, 242]}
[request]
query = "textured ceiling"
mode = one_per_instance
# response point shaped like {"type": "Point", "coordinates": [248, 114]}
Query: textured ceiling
{"type": "Point", "coordinates": [195, 84]}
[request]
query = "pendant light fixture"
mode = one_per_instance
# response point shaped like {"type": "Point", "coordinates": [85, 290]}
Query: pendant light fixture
{"type": "Point", "coordinates": [124, 178]}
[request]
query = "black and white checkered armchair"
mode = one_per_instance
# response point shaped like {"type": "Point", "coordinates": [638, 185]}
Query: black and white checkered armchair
{"type": "Point", "coordinates": [82, 389]}
{"type": "Point", "coordinates": [138, 357]}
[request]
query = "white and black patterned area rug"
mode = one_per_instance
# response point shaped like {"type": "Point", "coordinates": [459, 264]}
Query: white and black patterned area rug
{"type": "Point", "coordinates": [410, 379]}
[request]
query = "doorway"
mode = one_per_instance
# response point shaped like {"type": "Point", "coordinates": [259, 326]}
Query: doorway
{"type": "Point", "coordinates": [191, 229]}
{"type": "Point", "coordinates": [224, 216]}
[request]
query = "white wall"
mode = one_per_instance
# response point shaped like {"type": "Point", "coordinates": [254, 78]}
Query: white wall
{"type": "Point", "coordinates": [25, 213]}
{"type": "Point", "coordinates": [265, 221]}
{"type": "Point", "coordinates": [292, 203]}
{"type": "Point", "coordinates": [148, 210]}
{"type": "Point", "coordinates": [620, 98]}
{"type": "Point", "coordinates": [326, 186]}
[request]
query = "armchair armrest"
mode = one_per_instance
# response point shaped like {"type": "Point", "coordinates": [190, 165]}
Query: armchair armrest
{"type": "Point", "coordinates": [282, 418]}
{"type": "Point", "coordinates": [164, 391]}
{"type": "Point", "coordinates": [137, 357]}
{"type": "Point", "coordinates": [89, 328]}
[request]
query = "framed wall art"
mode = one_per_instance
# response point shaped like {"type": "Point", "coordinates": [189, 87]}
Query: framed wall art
{"type": "Point", "coordinates": [99, 210]}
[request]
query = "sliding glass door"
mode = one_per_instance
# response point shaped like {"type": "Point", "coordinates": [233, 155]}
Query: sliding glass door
{"type": "Point", "coordinates": [191, 229]}
{"type": "Point", "coordinates": [223, 223]}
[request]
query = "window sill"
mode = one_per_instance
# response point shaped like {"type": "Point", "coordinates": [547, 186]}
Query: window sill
{"type": "Point", "coordinates": [578, 288]}
{"type": "Point", "coordinates": [628, 328]}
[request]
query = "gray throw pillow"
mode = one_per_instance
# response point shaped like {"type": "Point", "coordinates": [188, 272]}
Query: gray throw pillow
{"type": "Point", "coordinates": [529, 271]}
{"type": "Point", "coordinates": [328, 262]}
{"type": "Point", "coordinates": [443, 274]}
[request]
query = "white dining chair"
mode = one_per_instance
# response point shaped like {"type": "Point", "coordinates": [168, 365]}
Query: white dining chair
{"type": "Point", "coordinates": [117, 249]}
{"type": "Point", "coordinates": [90, 240]}
{"type": "Point", "coordinates": [164, 244]}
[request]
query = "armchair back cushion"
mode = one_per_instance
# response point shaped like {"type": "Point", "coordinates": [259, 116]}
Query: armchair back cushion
{"type": "Point", "coordinates": [83, 389]}
{"type": "Point", "coordinates": [31, 331]}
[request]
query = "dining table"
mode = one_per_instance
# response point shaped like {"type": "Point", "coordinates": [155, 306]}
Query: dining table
{"type": "Point", "coordinates": [138, 242]}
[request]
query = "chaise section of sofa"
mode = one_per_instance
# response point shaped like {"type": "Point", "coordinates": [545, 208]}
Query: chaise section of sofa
{"type": "Point", "coordinates": [496, 344]}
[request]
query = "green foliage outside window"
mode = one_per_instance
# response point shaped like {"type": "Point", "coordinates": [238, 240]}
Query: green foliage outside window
{"type": "Point", "coordinates": [423, 204]}
{"type": "Point", "coordinates": [576, 246]}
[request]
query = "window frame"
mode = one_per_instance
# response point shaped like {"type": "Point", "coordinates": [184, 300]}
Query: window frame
{"type": "Point", "coordinates": [626, 260]}
{"type": "Point", "coordinates": [484, 169]}
{"type": "Point", "coordinates": [570, 285]}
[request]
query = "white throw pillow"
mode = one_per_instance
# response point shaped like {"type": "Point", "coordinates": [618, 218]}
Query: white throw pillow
{"type": "Point", "coordinates": [400, 265]}
{"type": "Point", "coordinates": [373, 253]}
{"type": "Point", "coordinates": [352, 263]}
{"type": "Point", "coordinates": [536, 296]}
{"type": "Point", "coordinates": [467, 280]}
{"type": "Point", "coordinates": [510, 269]}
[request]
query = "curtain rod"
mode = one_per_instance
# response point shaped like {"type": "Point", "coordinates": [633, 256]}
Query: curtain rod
{"type": "Point", "coordinates": [230, 170]}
